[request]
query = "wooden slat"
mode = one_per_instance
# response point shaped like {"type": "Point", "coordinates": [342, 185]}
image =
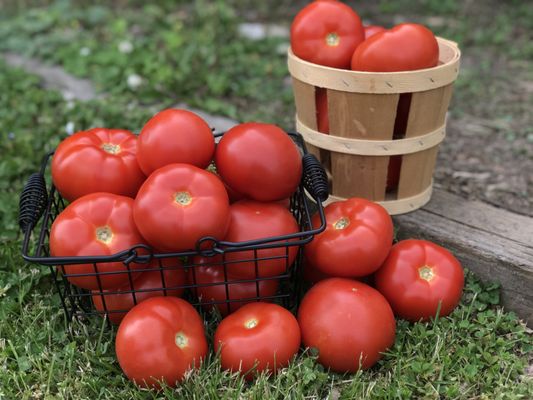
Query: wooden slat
{"type": "Point", "coordinates": [304, 98]}
{"type": "Point", "coordinates": [497, 245]}
{"type": "Point", "coordinates": [427, 112]}
{"type": "Point", "coordinates": [360, 116]}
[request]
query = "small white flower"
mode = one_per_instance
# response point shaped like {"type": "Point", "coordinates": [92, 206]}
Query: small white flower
{"type": "Point", "coordinates": [11, 135]}
{"type": "Point", "coordinates": [125, 47]}
{"type": "Point", "coordinates": [85, 51]}
{"type": "Point", "coordinates": [70, 105]}
{"type": "Point", "coordinates": [69, 128]}
{"type": "Point", "coordinates": [134, 81]}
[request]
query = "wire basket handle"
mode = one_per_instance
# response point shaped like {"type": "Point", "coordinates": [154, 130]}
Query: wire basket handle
{"type": "Point", "coordinates": [314, 178]}
{"type": "Point", "coordinates": [33, 200]}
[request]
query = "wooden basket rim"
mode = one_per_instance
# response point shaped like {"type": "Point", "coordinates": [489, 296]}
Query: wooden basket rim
{"type": "Point", "coordinates": [380, 82]}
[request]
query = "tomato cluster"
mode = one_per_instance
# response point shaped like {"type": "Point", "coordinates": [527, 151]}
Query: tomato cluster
{"type": "Point", "coordinates": [330, 33]}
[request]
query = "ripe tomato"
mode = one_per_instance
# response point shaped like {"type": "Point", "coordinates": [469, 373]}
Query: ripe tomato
{"type": "Point", "coordinates": [175, 136]}
{"type": "Point", "coordinates": [348, 322]}
{"type": "Point", "coordinates": [118, 304]}
{"type": "Point", "coordinates": [326, 33]}
{"type": "Point", "coordinates": [257, 337]}
{"type": "Point", "coordinates": [418, 276]}
{"type": "Point", "coordinates": [250, 220]}
{"type": "Point", "coordinates": [97, 160]}
{"type": "Point", "coordinates": [405, 47]}
{"type": "Point", "coordinates": [312, 274]}
{"type": "Point", "coordinates": [356, 241]}
{"type": "Point", "coordinates": [178, 205]}
{"type": "Point", "coordinates": [371, 30]}
{"type": "Point", "coordinates": [98, 224]}
{"type": "Point", "coordinates": [259, 161]}
{"type": "Point", "coordinates": [209, 271]}
{"type": "Point", "coordinates": [159, 340]}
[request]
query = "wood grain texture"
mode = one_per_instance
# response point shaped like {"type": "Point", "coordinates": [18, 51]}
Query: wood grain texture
{"type": "Point", "coordinates": [380, 82]}
{"type": "Point", "coordinates": [495, 244]}
{"type": "Point", "coordinates": [360, 116]}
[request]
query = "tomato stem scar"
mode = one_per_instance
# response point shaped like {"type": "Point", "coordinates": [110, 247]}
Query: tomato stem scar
{"type": "Point", "coordinates": [426, 273]}
{"type": "Point", "coordinates": [333, 39]}
{"type": "Point", "coordinates": [250, 324]}
{"type": "Point", "coordinates": [181, 340]}
{"type": "Point", "coordinates": [341, 223]}
{"type": "Point", "coordinates": [183, 198]}
{"type": "Point", "coordinates": [111, 148]}
{"type": "Point", "coordinates": [104, 234]}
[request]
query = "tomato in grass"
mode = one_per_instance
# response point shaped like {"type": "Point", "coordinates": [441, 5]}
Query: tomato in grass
{"type": "Point", "coordinates": [252, 220]}
{"type": "Point", "coordinates": [419, 279]}
{"type": "Point", "coordinates": [259, 161]}
{"type": "Point", "coordinates": [98, 224]}
{"type": "Point", "coordinates": [97, 160]}
{"type": "Point", "coordinates": [159, 340]}
{"type": "Point", "coordinates": [175, 136]}
{"type": "Point", "coordinates": [357, 239]}
{"type": "Point", "coordinates": [178, 205]}
{"type": "Point", "coordinates": [209, 274]}
{"type": "Point", "coordinates": [257, 337]}
{"type": "Point", "coordinates": [348, 322]}
{"type": "Point", "coordinates": [405, 47]}
{"type": "Point", "coordinates": [169, 274]}
{"type": "Point", "coordinates": [326, 33]}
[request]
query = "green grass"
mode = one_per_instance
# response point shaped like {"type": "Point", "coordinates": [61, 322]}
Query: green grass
{"type": "Point", "coordinates": [477, 352]}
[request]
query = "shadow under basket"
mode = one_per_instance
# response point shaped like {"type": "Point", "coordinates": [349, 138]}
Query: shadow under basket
{"type": "Point", "coordinates": [384, 128]}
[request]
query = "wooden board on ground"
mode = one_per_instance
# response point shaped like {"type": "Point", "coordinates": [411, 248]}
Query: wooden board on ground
{"type": "Point", "coordinates": [497, 245]}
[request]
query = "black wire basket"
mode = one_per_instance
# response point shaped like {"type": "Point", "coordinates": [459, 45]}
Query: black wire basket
{"type": "Point", "coordinates": [200, 275]}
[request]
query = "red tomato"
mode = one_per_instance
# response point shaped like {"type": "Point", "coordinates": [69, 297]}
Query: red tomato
{"type": "Point", "coordinates": [357, 239]}
{"type": "Point", "coordinates": [326, 33]}
{"type": "Point", "coordinates": [257, 337]}
{"type": "Point", "coordinates": [322, 117]}
{"type": "Point", "coordinates": [119, 303]}
{"type": "Point", "coordinates": [211, 271]}
{"type": "Point", "coordinates": [371, 30]}
{"type": "Point", "coordinates": [159, 340]}
{"type": "Point", "coordinates": [405, 47]}
{"type": "Point", "coordinates": [418, 276]}
{"type": "Point", "coordinates": [348, 322]}
{"type": "Point", "coordinates": [97, 160]}
{"type": "Point", "coordinates": [98, 224]}
{"type": "Point", "coordinates": [259, 161]}
{"type": "Point", "coordinates": [175, 136]}
{"type": "Point", "coordinates": [312, 274]}
{"type": "Point", "coordinates": [178, 205]}
{"type": "Point", "coordinates": [250, 220]}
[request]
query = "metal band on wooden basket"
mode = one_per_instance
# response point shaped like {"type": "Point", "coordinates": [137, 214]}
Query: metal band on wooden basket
{"type": "Point", "coordinates": [380, 82]}
{"type": "Point", "coordinates": [363, 147]}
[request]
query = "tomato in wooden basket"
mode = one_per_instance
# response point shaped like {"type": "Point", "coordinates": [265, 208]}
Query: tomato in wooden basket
{"type": "Point", "coordinates": [420, 278]}
{"type": "Point", "coordinates": [97, 160]}
{"type": "Point", "coordinates": [178, 205]}
{"type": "Point", "coordinates": [326, 33]}
{"type": "Point", "coordinates": [348, 322]}
{"type": "Point", "coordinates": [98, 224]}
{"type": "Point", "coordinates": [160, 339]}
{"type": "Point", "coordinates": [175, 136]}
{"type": "Point", "coordinates": [172, 276]}
{"type": "Point", "coordinates": [405, 47]}
{"type": "Point", "coordinates": [357, 239]}
{"type": "Point", "coordinates": [259, 161]}
{"type": "Point", "coordinates": [257, 337]}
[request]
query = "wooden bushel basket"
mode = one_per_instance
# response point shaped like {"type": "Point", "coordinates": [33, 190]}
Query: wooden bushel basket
{"type": "Point", "coordinates": [377, 119]}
